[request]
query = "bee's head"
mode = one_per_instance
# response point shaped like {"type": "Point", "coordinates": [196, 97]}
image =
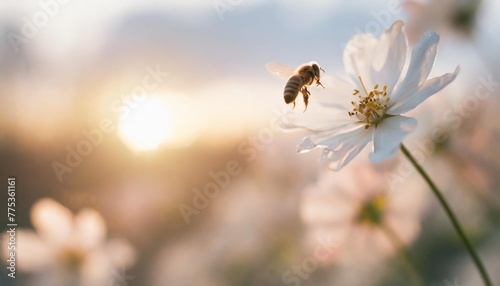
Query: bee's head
{"type": "Point", "coordinates": [316, 69]}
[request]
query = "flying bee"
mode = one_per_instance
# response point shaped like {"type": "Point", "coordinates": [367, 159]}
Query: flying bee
{"type": "Point", "coordinates": [298, 79]}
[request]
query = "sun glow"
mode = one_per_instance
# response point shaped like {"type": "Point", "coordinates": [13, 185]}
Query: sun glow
{"type": "Point", "coordinates": [158, 120]}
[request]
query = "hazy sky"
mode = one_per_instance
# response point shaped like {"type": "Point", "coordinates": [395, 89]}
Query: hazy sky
{"type": "Point", "coordinates": [213, 51]}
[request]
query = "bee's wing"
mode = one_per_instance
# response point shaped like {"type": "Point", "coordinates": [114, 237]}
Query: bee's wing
{"type": "Point", "coordinates": [280, 70]}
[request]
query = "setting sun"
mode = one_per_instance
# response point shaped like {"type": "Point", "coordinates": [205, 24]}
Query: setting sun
{"type": "Point", "coordinates": [146, 126]}
{"type": "Point", "coordinates": [171, 120]}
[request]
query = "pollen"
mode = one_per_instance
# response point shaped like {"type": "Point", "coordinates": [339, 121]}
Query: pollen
{"type": "Point", "coordinates": [370, 107]}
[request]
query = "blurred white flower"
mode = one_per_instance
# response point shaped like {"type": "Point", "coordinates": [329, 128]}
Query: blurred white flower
{"type": "Point", "coordinates": [69, 249]}
{"type": "Point", "coordinates": [244, 234]}
{"type": "Point", "coordinates": [356, 208]}
{"type": "Point", "coordinates": [342, 126]}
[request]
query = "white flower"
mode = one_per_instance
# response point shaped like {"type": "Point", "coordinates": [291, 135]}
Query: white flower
{"type": "Point", "coordinates": [344, 124]}
{"type": "Point", "coordinates": [357, 209]}
{"type": "Point", "coordinates": [69, 249]}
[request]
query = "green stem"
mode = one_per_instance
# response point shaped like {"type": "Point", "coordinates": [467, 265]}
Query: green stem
{"type": "Point", "coordinates": [451, 215]}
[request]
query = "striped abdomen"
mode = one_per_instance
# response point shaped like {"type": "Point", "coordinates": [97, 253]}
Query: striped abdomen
{"type": "Point", "coordinates": [292, 88]}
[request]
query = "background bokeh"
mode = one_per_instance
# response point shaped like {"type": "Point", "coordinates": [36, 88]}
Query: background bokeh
{"type": "Point", "coordinates": [161, 97]}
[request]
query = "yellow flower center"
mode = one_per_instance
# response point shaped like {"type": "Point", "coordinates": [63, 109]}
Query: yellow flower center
{"type": "Point", "coordinates": [372, 211]}
{"type": "Point", "coordinates": [71, 257]}
{"type": "Point", "coordinates": [370, 107]}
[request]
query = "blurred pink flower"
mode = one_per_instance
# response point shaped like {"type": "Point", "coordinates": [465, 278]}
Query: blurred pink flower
{"type": "Point", "coordinates": [342, 126]}
{"type": "Point", "coordinates": [356, 208]}
{"type": "Point", "coordinates": [452, 15]}
{"type": "Point", "coordinates": [69, 249]}
{"type": "Point", "coordinates": [466, 157]}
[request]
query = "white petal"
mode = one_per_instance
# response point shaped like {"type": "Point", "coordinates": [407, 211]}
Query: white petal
{"type": "Point", "coordinates": [33, 254]}
{"type": "Point", "coordinates": [327, 138]}
{"type": "Point", "coordinates": [96, 269]}
{"type": "Point", "coordinates": [422, 59]}
{"type": "Point", "coordinates": [358, 56]}
{"type": "Point", "coordinates": [318, 199]}
{"type": "Point", "coordinates": [52, 221]}
{"type": "Point", "coordinates": [327, 109]}
{"type": "Point", "coordinates": [90, 229]}
{"type": "Point", "coordinates": [337, 93]}
{"type": "Point", "coordinates": [427, 89]}
{"type": "Point", "coordinates": [330, 113]}
{"type": "Point", "coordinates": [318, 122]}
{"type": "Point", "coordinates": [341, 149]}
{"type": "Point", "coordinates": [121, 253]}
{"type": "Point", "coordinates": [389, 57]}
{"type": "Point", "coordinates": [388, 136]}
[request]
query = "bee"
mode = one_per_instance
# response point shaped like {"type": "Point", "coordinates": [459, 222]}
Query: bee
{"type": "Point", "coordinates": [298, 79]}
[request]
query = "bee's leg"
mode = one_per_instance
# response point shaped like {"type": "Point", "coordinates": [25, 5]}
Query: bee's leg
{"type": "Point", "coordinates": [317, 79]}
{"type": "Point", "coordinates": [305, 94]}
{"type": "Point", "coordinates": [293, 104]}
{"type": "Point", "coordinates": [304, 91]}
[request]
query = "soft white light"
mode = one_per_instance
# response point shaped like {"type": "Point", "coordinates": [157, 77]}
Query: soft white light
{"type": "Point", "coordinates": [147, 125]}
{"type": "Point", "coordinates": [171, 120]}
